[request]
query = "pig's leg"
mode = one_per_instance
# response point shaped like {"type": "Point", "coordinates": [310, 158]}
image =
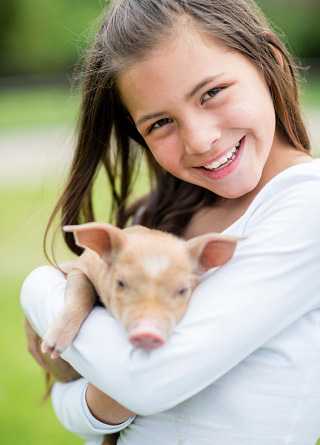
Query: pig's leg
{"type": "Point", "coordinates": [79, 299]}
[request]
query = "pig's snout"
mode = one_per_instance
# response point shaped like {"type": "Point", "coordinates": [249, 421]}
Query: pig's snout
{"type": "Point", "coordinates": [146, 336]}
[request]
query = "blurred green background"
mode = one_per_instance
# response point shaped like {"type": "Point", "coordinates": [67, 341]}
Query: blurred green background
{"type": "Point", "coordinates": [41, 42]}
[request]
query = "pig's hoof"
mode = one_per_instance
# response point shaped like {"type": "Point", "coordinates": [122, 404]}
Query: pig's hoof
{"type": "Point", "coordinates": [57, 339]}
{"type": "Point", "coordinates": [46, 348]}
{"type": "Point", "coordinates": [55, 354]}
{"type": "Point", "coordinates": [54, 343]}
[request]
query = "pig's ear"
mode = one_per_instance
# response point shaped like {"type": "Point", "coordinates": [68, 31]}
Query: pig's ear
{"type": "Point", "coordinates": [211, 250]}
{"type": "Point", "coordinates": [104, 239]}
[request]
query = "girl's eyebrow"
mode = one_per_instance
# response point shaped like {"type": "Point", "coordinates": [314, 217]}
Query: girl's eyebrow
{"type": "Point", "coordinates": [188, 96]}
{"type": "Point", "coordinates": [201, 85]}
{"type": "Point", "coordinates": [149, 116]}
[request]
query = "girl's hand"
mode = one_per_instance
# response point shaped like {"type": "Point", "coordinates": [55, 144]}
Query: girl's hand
{"type": "Point", "coordinates": [59, 368]}
{"type": "Point", "coordinates": [110, 439]}
{"type": "Point", "coordinates": [33, 344]}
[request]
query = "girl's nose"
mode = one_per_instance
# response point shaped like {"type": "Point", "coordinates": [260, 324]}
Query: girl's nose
{"type": "Point", "coordinates": [200, 138]}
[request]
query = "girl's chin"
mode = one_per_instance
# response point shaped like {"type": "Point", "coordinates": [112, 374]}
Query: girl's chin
{"type": "Point", "coordinates": [230, 194]}
{"type": "Point", "coordinates": [239, 189]}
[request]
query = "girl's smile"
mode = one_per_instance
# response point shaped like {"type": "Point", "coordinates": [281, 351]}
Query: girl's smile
{"type": "Point", "coordinates": [193, 100]}
{"type": "Point", "coordinates": [225, 165]}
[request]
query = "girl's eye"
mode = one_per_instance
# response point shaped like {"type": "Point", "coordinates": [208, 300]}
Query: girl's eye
{"type": "Point", "coordinates": [211, 93]}
{"type": "Point", "coordinates": [165, 121]}
{"type": "Point", "coordinates": [160, 123]}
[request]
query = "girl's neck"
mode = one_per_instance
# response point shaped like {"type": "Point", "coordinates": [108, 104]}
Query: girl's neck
{"type": "Point", "coordinates": [282, 156]}
{"type": "Point", "coordinates": [226, 211]}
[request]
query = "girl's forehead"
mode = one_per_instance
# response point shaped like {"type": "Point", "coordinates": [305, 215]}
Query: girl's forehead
{"type": "Point", "coordinates": [173, 68]}
{"type": "Point", "coordinates": [179, 49]}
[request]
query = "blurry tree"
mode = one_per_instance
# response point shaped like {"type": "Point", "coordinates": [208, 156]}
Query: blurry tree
{"type": "Point", "coordinates": [7, 23]}
{"type": "Point", "coordinates": [45, 36]}
{"type": "Point", "coordinates": [298, 22]}
{"type": "Point", "coordinates": [48, 36]}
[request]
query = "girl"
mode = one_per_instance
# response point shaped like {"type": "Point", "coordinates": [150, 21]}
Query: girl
{"type": "Point", "coordinates": [208, 93]}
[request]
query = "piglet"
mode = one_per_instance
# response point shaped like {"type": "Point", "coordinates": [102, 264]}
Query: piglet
{"type": "Point", "coordinates": [144, 277]}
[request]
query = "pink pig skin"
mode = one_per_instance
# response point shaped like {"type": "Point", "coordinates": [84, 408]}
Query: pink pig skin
{"type": "Point", "coordinates": [144, 277]}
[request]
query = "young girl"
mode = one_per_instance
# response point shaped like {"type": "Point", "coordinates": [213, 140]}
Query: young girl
{"type": "Point", "coordinates": [208, 93]}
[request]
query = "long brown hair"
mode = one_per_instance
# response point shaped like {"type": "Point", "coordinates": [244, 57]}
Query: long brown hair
{"type": "Point", "coordinates": [108, 138]}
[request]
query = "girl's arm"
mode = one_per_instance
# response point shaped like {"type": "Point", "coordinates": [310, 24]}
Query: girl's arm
{"type": "Point", "coordinates": [272, 281]}
{"type": "Point", "coordinates": [69, 403]}
{"type": "Point", "coordinates": [88, 412]}
{"type": "Point", "coordinates": [105, 409]}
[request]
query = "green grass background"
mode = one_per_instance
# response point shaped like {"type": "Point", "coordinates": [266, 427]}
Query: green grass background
{"type": "Point", "coordinates": [55, 106]}
{"type": "Point", "coordinates": [24, 419]}
{"type": "Point", "coordinates": [24, 210]}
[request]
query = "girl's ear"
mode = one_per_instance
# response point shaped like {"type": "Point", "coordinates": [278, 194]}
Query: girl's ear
{"type": "Point", "coordinates": [211, 250]}
{"type": "Point", "coordinates": [104, 239]}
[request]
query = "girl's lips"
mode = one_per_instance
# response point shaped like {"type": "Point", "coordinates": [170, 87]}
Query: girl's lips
{"type": "Point", "coordinates": [219, 174]}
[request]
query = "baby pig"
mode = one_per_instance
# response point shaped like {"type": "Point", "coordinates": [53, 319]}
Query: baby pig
{"type": "Point", "coordinates": [144, 277]}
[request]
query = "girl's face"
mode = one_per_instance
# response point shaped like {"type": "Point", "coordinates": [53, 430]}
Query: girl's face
{"type": "Point", "coordinates": [194, 101]}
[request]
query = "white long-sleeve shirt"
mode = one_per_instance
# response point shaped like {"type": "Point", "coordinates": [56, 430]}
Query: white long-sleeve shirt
{"type": "Point", "coordinates": [243, 366]}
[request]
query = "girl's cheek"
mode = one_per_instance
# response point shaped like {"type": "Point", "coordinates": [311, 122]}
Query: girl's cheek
{"type": "Point", "coordinates": [241, 115]}
{"type": "Point", "coordinates": [167, 151]}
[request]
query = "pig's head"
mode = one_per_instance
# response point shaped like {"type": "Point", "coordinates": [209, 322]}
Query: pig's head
{"type": "Point", "coordinates": [151, 275]}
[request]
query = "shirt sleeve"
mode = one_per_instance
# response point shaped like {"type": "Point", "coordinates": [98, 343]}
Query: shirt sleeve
{"type": "Point", "coordinates": [69, 403]}
{"type": "Point", "coordinates": [272, 281]}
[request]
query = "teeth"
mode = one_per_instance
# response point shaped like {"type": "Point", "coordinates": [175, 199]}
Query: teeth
{"type": "Point", "coordinates": [224, 160]}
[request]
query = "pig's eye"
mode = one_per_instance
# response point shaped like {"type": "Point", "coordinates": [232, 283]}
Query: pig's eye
{"type": "Point", "coordinates": [121, 284]}
{"type": "Point", "coordinates": [183, 291]}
